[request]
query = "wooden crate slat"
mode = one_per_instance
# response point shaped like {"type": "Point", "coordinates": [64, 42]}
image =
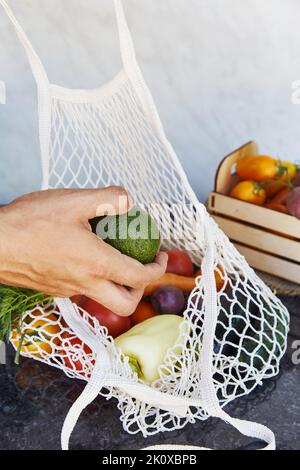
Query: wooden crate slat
{"type": "Point", "coordinates": [260, 239]}
{"type": "Point", "coordinates": [256, 215]}
{"type": "Point", "coordinates": [270, 264]}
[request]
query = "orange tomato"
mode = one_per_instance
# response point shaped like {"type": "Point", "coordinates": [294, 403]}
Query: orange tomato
{"type": "Point", "coordinates": [143, 311]}
{"type": "Point", "coordinates": [219, 277]}
{"type": "Point", "coordinates": [259, 168]}
{"type": "Point", "coordinates": [40, 335]}
{"type": "Point", "coordinates": [249, 191]}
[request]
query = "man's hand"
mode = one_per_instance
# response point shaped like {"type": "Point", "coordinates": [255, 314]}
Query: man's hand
{"type": "Point", "coordinates": [46, 244]}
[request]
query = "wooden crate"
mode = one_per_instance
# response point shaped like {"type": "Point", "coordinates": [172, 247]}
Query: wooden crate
{"type": "Point", "coordinates": [268, 239]}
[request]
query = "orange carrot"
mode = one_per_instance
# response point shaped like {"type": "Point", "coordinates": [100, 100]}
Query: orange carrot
{"type": "Point", "coordinates": [184, 283]}
{"type": "Point", "coordinates": [276, 206]}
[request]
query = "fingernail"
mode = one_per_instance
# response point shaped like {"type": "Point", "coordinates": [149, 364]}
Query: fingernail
{"type": "Point", "coordinates": [130, 202]}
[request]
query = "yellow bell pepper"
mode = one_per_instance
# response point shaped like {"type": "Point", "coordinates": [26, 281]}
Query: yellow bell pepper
{"type": "Point", "coordinates": [147, 343]}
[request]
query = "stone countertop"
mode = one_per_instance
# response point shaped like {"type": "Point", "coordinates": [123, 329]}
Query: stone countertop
{"type": "Point", "coordinates": [35, 398]}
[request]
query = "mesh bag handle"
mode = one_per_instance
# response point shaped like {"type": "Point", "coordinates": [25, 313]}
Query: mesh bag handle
{"type": "Point", "coordinates": [40, 75]}
{"type": "Point", "coordinates": [34, 60]}
{"type": "Point", "coordinates": [126, 43]}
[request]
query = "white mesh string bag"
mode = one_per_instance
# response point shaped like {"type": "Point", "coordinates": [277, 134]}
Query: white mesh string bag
{"type": "Point", "coordinates": [235, 329]}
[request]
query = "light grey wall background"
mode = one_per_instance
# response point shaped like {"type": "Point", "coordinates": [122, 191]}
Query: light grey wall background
{"type": "Point", "coordinates": [220, 72]}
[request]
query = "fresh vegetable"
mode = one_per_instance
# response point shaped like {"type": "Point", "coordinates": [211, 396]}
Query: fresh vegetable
{"type": "Point", "coordinates": [232, 322]}
{"type": "Point", "coordinates": [277, 203]}
{"type": "Point", "coordinates": [258, 349]}
{"type": "Point", "coordinates": [293, 202]}
{"type": "Point", "coordinates": [143, 311]}
{"type": "Point", "coordinates": [183, 283]}
{"type": "Point", "coordinates": [219, 277]}
{"type": "Point", "coordinates": [14, 302]}
{"type": "Point", "coordinates": [281, 196]}
{"type": "Point", "coordinates": [249, 191]}
{"type": "Point", "coordinates": [180, 263]}
{"type": "Point", "coordinates": [72, 352]}
{"type": "Point", "coordinates": [146, 344]}
{"type": "Point", "coordinates": [168, 299]}
{"type": "Point", "coordinates": [273, 187]}
{"type": "Point", "coordinates": [291, 172]}
{"type": "Point", "coordinates": [77, 299]}
{"type": "Point", "coordinates": [276, 206]}
{"type": "Point", "coordinates": [36, 336]}
{"type": "Point", "coordinates": [248, 330]}
{"type": "Point", "coordinates": [115, 324]}
{"type": "Point", "coordinates": [296, 181]}
{"type": "Point", "coordinates": [287, 179]}
{"type": "Point", "coordinates": [260, 168]}
{"type": "Point", "coordinates": [134, 234]}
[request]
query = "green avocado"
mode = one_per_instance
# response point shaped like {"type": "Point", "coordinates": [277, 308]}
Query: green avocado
{"type": "Point", "coordinates": [134, 234]}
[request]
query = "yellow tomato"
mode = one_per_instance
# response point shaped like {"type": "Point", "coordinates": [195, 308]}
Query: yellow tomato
{"type": "Point", "coordinates": [40, 335]}
{"type": "Point", "coordinates": [249, 191]}
{"type": "Point", "coordinates": [290, 171]}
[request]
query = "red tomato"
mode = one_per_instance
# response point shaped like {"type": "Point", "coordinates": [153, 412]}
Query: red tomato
{"type": "Point", "coordinates": [115, 324]}
{"type": "Point", "coordinates": [180, 263]}
{"type": "Point", "coordinates": [143, 311]}
{"type": "Point", "coordinates": [72, 358]}
{"type": "Point", "coordinates": [76, 299]}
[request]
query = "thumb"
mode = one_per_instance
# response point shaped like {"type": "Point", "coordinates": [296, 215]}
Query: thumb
{"type": "Point", "coordinates": [97, 202]}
